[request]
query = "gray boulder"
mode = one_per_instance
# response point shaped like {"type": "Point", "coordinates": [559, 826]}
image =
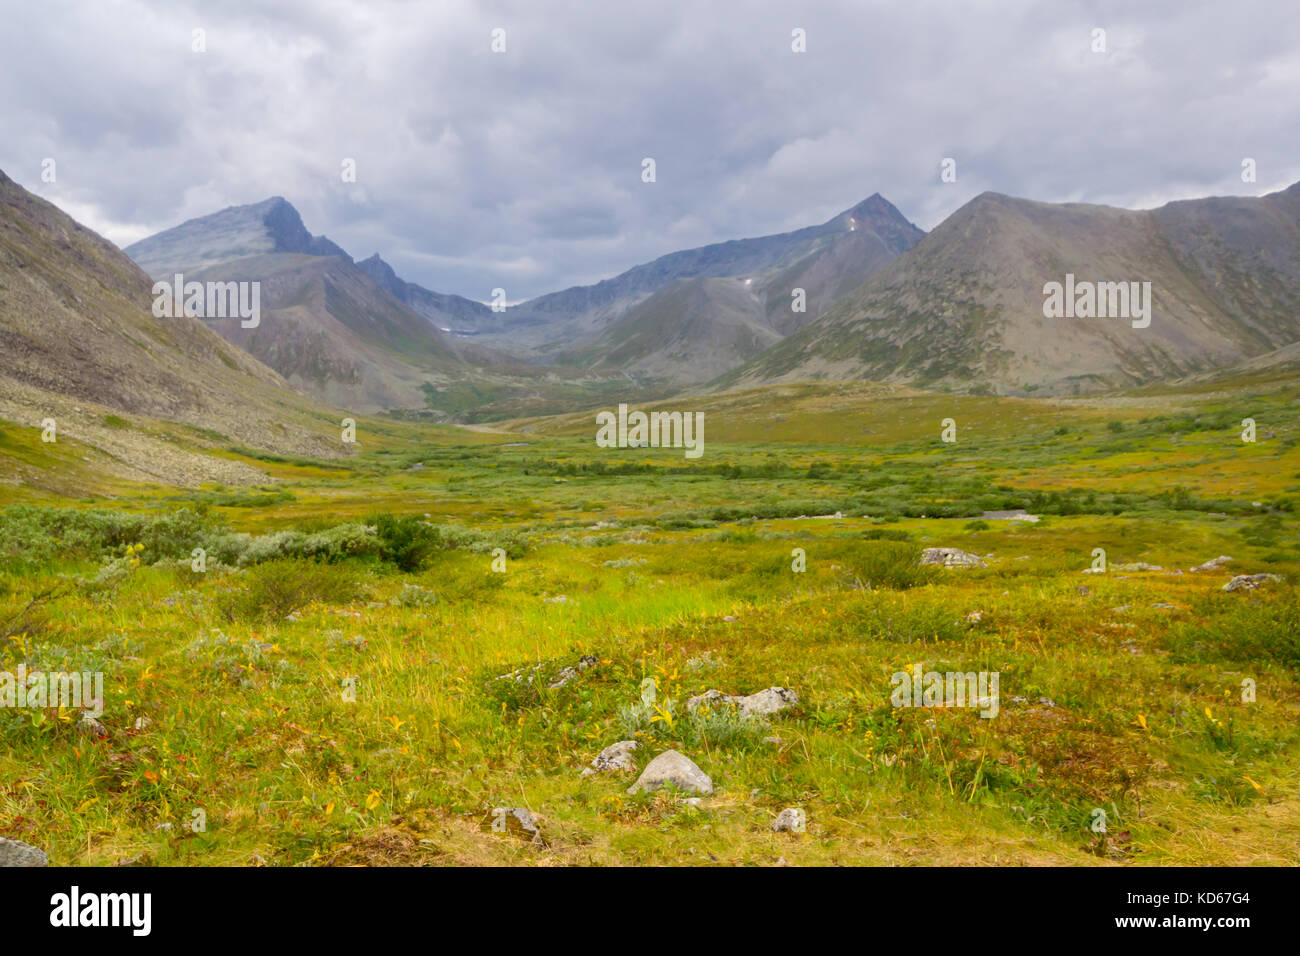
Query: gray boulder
{"type": "Point", "coordinates": [767, 701]}
{"type": "Point", "coordinates": [515, 821]}
{"type": "Point", "coordinates": [1214, 563]}
{"type": "Point", "coordinates": [790, 820]}
{"type": "Point", "coordinates": [670, 767]}
{"type": "Point", "coordinates": [952, 558]}
{"type": "Point", "coordinates": [615, 757]}
{"type": "Point", "coordinates": [1248, 582]}
{"type": "Point", "coordinates": [17, 853]}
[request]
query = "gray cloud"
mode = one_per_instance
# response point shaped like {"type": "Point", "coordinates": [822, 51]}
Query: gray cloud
{"type": "Point", "coordinates": [522, 169]}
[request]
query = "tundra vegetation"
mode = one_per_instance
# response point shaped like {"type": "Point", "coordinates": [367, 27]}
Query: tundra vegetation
{"type": "Point", "coordinates": [327, 687]}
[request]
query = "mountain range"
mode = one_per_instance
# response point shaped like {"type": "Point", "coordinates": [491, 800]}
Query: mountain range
{"type": "Point", "coordinates": [960, 308]}
{"type": "Point", "coordinates": [356, 334]}
{"type": "Point", "coordinates": [964, 309]}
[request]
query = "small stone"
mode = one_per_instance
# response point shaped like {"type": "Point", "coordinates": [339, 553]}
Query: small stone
{"type": "Point", "coordinates": [790, 820]}
{"type": "Point", "coordinates": [1214, 563]}
{"type": "Point", "coordinates": [566, 675]}
{"type": "Point", "coordinates": [952, 558]}
{"type": "Point", "coordinates": [17, 853]}
{"type": "Point", "coordinates": [1248, 582]}
{"type": "Point", "coordinates": [671, 767]}
{"type": "Point", "coordinates": [89, 725]}
{"type": "Point", "coordinates": [615, 757]}
{"type": "Point", "coordinates": [767, 701]}
{"type": "Point", "coordinates": [516, 821]}
{"type": "Point", "coordinates": [774, 741]}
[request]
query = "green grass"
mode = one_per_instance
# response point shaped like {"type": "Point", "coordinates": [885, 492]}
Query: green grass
{"type": "Point", "coordinates": [325, 690]}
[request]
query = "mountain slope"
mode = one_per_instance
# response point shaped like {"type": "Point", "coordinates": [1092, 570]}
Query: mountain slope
{"type": "Point", "coordinates": [449, 313]}
{"type": "Point", "coordinates": [964, 308]}
{"type": "Point", "coordinates": [78, 340]}
{"type": "Point", "coordinates": [696, 328]}
{"type": "Point", "coordinates": [327, 325]}
{"type": "Point", "coordinates": [837, 254]}
{"type": "Point", "coordinates": [690, 331]}
{"type": "Point", "coordinates": [237, 232]}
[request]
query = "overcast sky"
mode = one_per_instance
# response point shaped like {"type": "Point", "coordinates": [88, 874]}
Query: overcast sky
{"type": "Point", "coordinates": [522, 169]}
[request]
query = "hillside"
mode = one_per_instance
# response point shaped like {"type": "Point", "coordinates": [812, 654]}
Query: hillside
{"type": "Point", "coordinates": [327, 326]}
{"type": "Point", "coordinates": [697, 328]}
{"type": "Point", "coordinates": [828, 258]}
{"type": "Point", "coordinates": [82, 346]}
{"type": "Point", "coordinates": [964, 309]}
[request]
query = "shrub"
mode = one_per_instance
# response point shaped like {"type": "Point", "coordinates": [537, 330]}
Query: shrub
{"type": "Point", "coordinates": [275, 589]}
{"type": "Point", "coordinates": [408, 542]}
{"type": "Point", "coordinates": [890, 564]}
{"type": "Point", "coordinates": [1244, 632]}
{"type": "Point", "coordinates": [413, 595]}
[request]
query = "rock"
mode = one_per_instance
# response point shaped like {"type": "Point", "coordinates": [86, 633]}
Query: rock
{"type": "Point", "coordinates": [516, 821]}
{"type": "Point", "coordinates": [1214, 563]}
{"type": "Point", "coordinates": [142, 723]}
{"type": "Point", "coordinates": [790, 820]}
{"type": "Point", "coordinates": [616, 757]}
{"type": "Point", "coordinates": [670, 767]}
{"type": "Point", "coordinates": [767, 701]}
{"type": "Point", "coordinates": [17, 853]}
{"type": "Point", "coordinates": [558, 599]}
{"type": "Point", "coordinates": [566, 675]}
{"type": "Point", "coordinates": [1248, 582]}
{"type": "Point", "coordinates": [526, 674]}
{"type": "Point", "coordinates": [89, 725]}
{"type": "Point", "coordinates": [952, 558]}
{"type": "Point", "coordinates": [774, 741]}
{"type": "Point", "coordinates": [1020, 515]}
{"type": "Point", "coordinates": [974, 617]}
{"type": "Point", "coordinates": [1136, 566]}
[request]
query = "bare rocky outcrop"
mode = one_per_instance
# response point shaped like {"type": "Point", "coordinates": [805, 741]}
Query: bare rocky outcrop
{"type": "Point", "coordinates": [762, 703]}
{"type": "Point", "coordinates": [952, 558]}
{"type": "Point", "coordinates": [1248, 582]}
{"type": "Point", "coordinates": [1214, 564]}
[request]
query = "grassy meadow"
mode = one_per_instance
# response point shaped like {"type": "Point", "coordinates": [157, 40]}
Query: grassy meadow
{"type": "Point", "coordinates": [325, 692]}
